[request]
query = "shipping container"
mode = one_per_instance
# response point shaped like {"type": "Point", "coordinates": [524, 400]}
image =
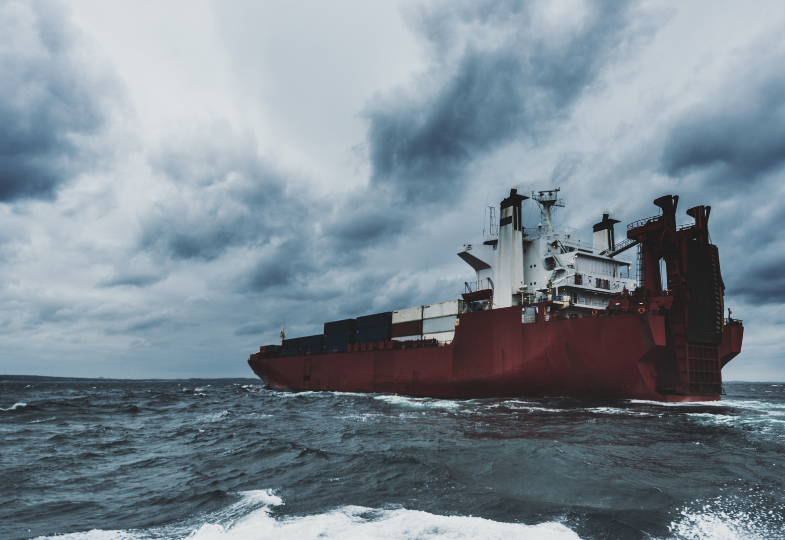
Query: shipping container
{"type": "Point", "coordinates": [270, 349]}
{"type": "Point", "coordinates": [408, 338]}
{"type": "Point", "coordinates": [293, 351]}
{"type": "Point", "coordinates": [373, 321]}
{"type": "Point", "coordinates": [444, 309]}
{"type": "Point", "coordinates": [340, 337]}
{"type": "Point", "coordinates": [407, 315]}
{"type": "Point", "coordinates": [336, 327]}
{"type": "Point", "coordinates": [312, 341]}
{"type": "Point", "coordinates": [442, 324]}
{"type": "Point", "coordinates": [293, 343]}
{"type": "Point", "coordinates": [441, 337]}
{"type": "Point", "coordinates": [377, 333]}
{"type": "Point", "coordinates": [316, 349]}
{"type": "Point", "coordinates": [407, 328]}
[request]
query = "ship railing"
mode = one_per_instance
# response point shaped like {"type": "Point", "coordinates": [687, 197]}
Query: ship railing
{"type": "Point", "coordinates": [644, 221]}
{"type": "Point", "coordinates": [563, 232]}
{"type": "Point", "coordinates": [733, 322]}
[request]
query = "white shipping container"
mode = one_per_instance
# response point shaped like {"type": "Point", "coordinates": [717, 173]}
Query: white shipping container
{"type": "Point", "coordinates": [408, 338]}
{"type": "Point", "coordinates": [407, 315]}
{"type": "Point", "coordinates": [441, 324]}
{"type": "Point", "coordinates": [441, 337]}
{"type": "Point", "coordinates": [444, 309]}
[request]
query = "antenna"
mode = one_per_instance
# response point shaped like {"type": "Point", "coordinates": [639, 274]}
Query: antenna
{"type": "Point", "coordinates": [283, 333]}
{"type": "Point", "coordinates": [486, 210]}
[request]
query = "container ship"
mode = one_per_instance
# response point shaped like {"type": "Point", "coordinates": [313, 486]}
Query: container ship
{"type": "Point", "coordinates": [545, 315]}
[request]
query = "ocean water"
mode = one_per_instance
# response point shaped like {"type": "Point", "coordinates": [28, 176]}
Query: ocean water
{"type": "Point", "coordinates": [226, 460]}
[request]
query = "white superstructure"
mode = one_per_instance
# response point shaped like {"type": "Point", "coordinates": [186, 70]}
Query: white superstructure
{"type": "Point", "coordinates": [522, 265]}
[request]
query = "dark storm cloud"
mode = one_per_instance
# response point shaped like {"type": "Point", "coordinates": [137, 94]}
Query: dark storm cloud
{"type": "Point", "coordinates": [736, 136]}
{"type": "Point", "coordinates": [372, 218]}
{"type": "Point", "coordinates": [226, 195]}
{"type": "Point", "coordinates": [761, 283]}
{"type": "Point", "coordinates": [283, 266]}
{"type": "Point", "coordinates": [748, 235]}
{"type": "Point", "coordinates": [517, 87]}
{"type": "Point", "coordinates": [52, 102]}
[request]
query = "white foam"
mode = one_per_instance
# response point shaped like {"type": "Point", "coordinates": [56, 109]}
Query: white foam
{"type": "Point", "coordinates": [728, 420]}
{"type": "Point", "coordinates": [14, 407]}
{"type": "Point", "coordinates": [363, 417]}
{"type": "Point", "coordinates": [250, 519]}
{"type": "Point", "coordinates": [418, 402]}
{"type": "Point", "coordinates": [214, 417]}
{"type": "Point", "coordinates": [729, 519]}
{"type": "Point", "coordinates": [353, 522]}
{"type": "Point", "coordinates": [43, 420]}
{"type": "Point", "coordinates": [256, 416]}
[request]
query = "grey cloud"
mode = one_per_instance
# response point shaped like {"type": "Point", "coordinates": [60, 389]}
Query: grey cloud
{"type": "Point", "coordinates": [758, 283]}
{"type": "Point", "coordinates": [58, 313]}
{"type": "Point", "coordinates": [252, 329]}
{"type": "Point", "coordinates": [227, 195]}
{"type": "Point", "coordinates": [286, 264]}
{"type": "Point", "coordinates": [272, 273]}
{"type": "Point", "coordinates": [52, 102]}
{"type": "Point", "coordinates": [736, 136]}
{"type": "Point", "coordinates": [370, 219]}
{"type": "Point", "coordinates": [147, 323]}
{"type": "Point", "coordinates": [131, 280]}
{"type": "Point", "coordinates": [518, 87]}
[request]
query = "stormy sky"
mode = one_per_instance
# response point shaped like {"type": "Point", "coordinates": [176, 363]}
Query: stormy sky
{"type": "Point", "coordinates": [178, 178]}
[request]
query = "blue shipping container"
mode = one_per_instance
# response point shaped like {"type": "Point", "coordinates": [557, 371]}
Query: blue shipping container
{"type": "Point", "coordinates": [340, 337]}
{"type": "Point", "coordinates": [311, 341]}
{"type": "Point", "coordinates": [336, 327]}
{"type": "Point", "coordinates": [378, 333]}
{"type": "Point", "coordinates": [374, 321]}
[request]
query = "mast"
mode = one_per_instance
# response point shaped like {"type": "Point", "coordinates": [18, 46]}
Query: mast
{"type": "Point", "coordinates": [547, 199]}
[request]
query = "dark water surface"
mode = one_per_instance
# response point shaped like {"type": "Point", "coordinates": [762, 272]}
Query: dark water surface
{"type": "Point", "coordinates": [224, 460]}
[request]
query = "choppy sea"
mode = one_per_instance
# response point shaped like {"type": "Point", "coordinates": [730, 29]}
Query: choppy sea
{"type": "Point", "coordinates": [217, 459]}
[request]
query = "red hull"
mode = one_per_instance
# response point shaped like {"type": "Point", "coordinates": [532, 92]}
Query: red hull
{"type": "Point", "coordinates": [495, 355]}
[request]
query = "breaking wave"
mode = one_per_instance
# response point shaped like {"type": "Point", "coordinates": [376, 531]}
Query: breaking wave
{"type": "Point", "coordinates": [251, 519]}
{"type": "Point", "coordinates": [753, 517]}
{"type": "Point", "coordinates": [14, 407]}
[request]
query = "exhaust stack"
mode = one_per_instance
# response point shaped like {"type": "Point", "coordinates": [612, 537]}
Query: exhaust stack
{"type": "Point", "coordinates": [509, 269]}
{"type": "Point", "coordinates": [603, 238]}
